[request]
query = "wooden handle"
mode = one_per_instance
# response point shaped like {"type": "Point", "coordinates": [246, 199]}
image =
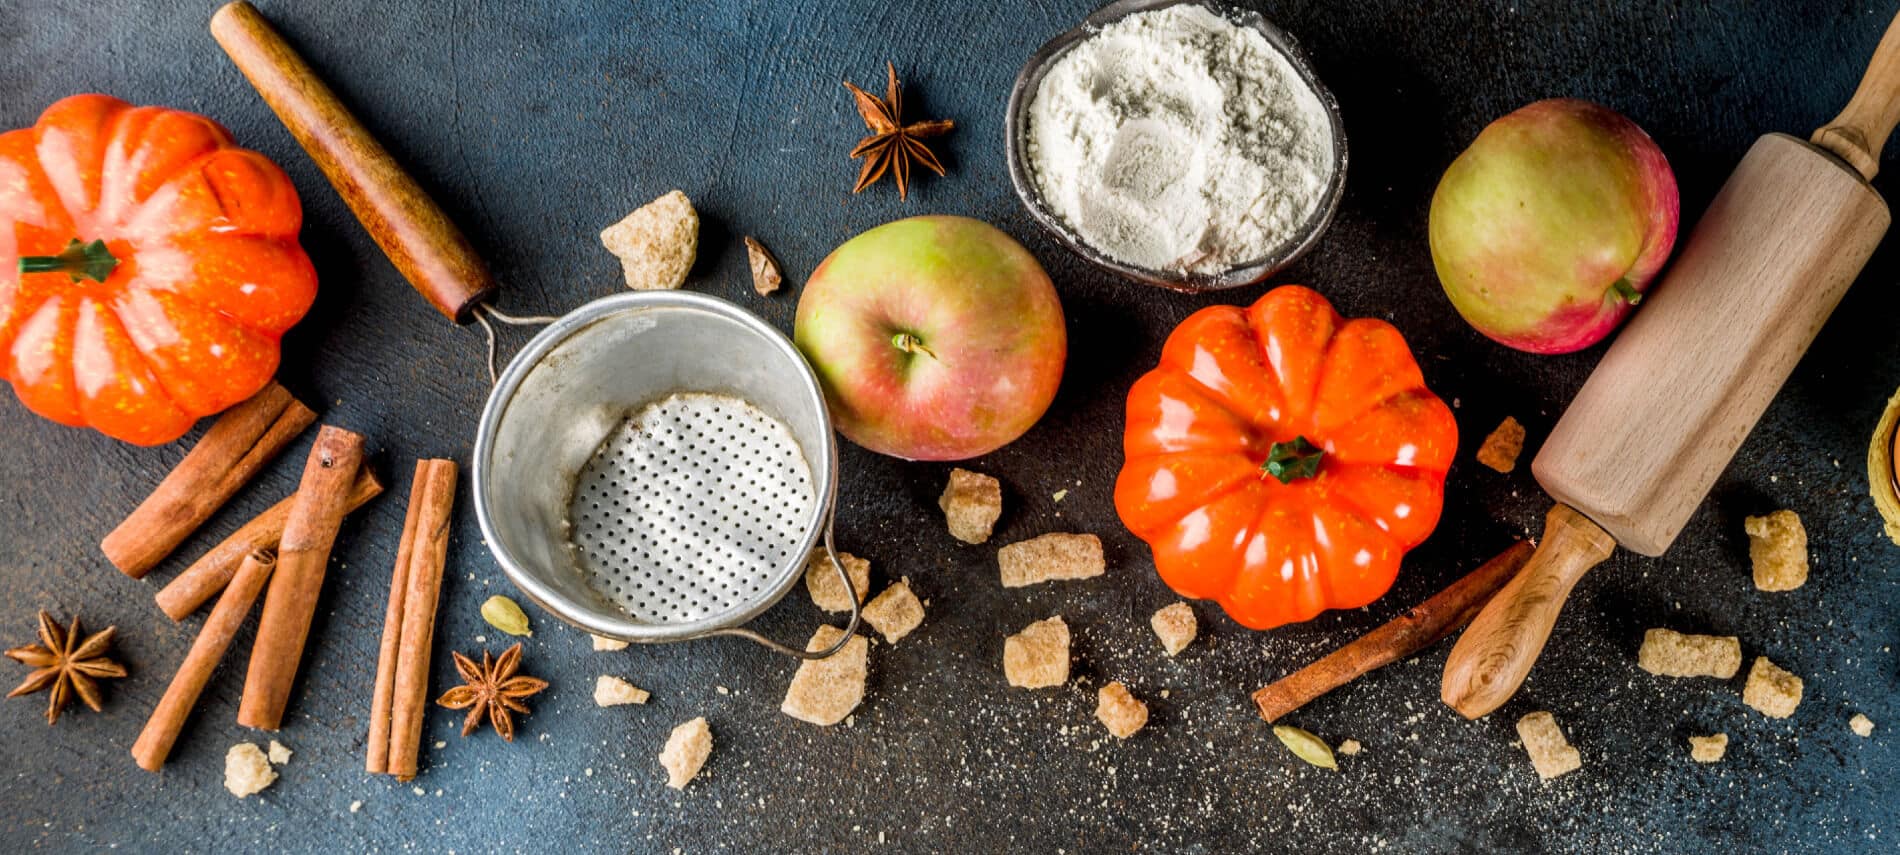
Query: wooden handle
{"type": "Point", "coordinates": [1496, 653]}
{"type": "Point", "coordinates": [416, 235]}
{"type": "Point", "coordinates": [1861, 130]}
{"type": "Point", "coordinates": [1418, 628]}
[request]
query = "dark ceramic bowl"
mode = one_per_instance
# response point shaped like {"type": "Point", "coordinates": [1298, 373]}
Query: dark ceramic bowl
{"type": "Point", "coordinates": [1017, 130]}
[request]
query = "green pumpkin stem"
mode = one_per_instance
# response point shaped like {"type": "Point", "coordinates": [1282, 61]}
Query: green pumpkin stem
{"type": "Point", "coordinates": [1291, 461]}
{"type": "Point", "coordinates": [78, 260]}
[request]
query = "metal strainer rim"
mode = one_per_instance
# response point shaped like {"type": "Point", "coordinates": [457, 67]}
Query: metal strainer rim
{"type": "Point", "coordinates": [590, 616]}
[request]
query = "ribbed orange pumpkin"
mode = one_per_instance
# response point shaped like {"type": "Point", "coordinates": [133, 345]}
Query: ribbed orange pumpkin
{"type": "Point", "coordinates": [148, 267]}
{"type": "Point", "coordinates": [1281, 459]}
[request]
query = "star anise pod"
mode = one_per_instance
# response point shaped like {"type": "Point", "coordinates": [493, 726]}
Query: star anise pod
{"type": "Point", "coordinates": [492, 688]}
{"type": "Point", "coordinates": [66, 666]}
{"type": "Point", "coordinates": [892, 145]}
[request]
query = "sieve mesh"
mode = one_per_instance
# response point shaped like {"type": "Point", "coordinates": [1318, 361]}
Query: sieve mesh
{"type": "Point", "coordinates": [690, 508]}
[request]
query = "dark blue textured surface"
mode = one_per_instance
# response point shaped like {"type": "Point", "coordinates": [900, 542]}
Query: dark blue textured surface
{"type": "Point", "coordinates": [537, 123]}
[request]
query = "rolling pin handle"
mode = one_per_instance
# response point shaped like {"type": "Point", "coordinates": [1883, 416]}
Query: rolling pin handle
{"type": "Point", "coordinates": [421, 240]}
{"type": "Point", "coordinates": [1859, 133]}
{"type": "Point", "coordinates": [1497, 651]}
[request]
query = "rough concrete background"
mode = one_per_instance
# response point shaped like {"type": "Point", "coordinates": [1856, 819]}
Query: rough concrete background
{"type": "Point", "coordinates": [537, 123]}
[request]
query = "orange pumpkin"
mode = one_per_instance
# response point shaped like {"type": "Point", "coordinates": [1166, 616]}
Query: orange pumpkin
{"type": "Point", "coordinates": [1281, 459]}
{"type": "Point", "coordinates": [148, 267]}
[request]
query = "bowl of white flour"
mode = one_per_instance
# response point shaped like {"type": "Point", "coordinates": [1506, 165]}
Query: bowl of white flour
{"type": "Point", "coordinates": [1177, 143]}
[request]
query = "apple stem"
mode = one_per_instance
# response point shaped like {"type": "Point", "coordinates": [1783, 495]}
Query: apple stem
{"type": "Point", "coordinates": [911, 344]}
{"type": "Point", "coordinates": [1629, 294]}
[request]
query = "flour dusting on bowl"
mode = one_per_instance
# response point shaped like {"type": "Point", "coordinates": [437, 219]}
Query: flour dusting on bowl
{"type": "Point", "coordinates": [1175, 139]}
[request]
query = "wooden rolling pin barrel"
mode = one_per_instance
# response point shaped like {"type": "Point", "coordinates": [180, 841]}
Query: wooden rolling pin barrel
{"type": "Point", "coordinates": [1682, 386]}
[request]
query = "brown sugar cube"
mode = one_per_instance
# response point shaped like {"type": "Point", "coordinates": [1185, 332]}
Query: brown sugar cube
{"type": "Point", "coordinates": [1708, 749]}
{"type": "Point", "coordinates": [611, 691]}
{"type": "Point", "coordinates": [1051, 557]}
{"type": "Point", "coordinates": [1501, 448]}
{"type": "Point", "coordinates": [603, 643]}
{"type": "Point", "coordinates": [1038, 657]}
{"type": "Point", "coordinates": [1175, 626]}
{"type": "Point", "coordinates": [1544, 741]}
{"type": "Point", "coordinates": [1861, 725]}
{"type": "Point", "coordinates": [247, 770]}
{"type": "Point", "coordinates": [686, 751]}
{"type": "Point", "coordinates": [971, 502]}
{"type": "Point", "coordinates": [1120, 711]}
{"type": "Point", "coordinates": [824, 691]}
{"type": "Point", "coordinates": [1778, 547]}
{"type": "Point", "coordinates": [766, 275]}
{"type": "Point", "coordinates": [657, 243]}
{"type": "Point", "coordinates": [1770, 690]}
{"type": "Point", "coordinates": [895, 612]}
{"type": "Point", "coordinates": [1669, 653]}
{"type": "Point", "coordinates": [827, 590]}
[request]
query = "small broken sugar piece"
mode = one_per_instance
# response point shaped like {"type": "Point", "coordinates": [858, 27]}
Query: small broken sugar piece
{"type": "Point", "coordinates": [1669, 653]}
{"type": "Point", "coordinates": [1861, 725]}
{"type": "Point", "coordinates": [1778, 547]}
{"type": "Point", "coordinates": [766, 276]}
{"type": "Point", "coordinates": [1708, 749]}
{"type": "Point", "coordinates": [895, 612]}
{"type": "Point", "coordinates": [1038, 657]}
{"type": "Point", "coordinates": [278, 753]}
{"type": "Point", "coordinates": [824, 691]}
{"type": "Point", "coordinates": [1350, 747]}
{"type": "Point", "coordinates": [1770, 690]}
{"type": "Point", "coordinates": [1175, 626]}
{"type": "Point", "coordinates": [1051, 557]}
{"type": "Point", "coordinates": [1544, 741]}
{"type": "Point", "coordinates": [971, 504]}
{"type": "Point", "coordinates": [686, 751]}
{"type": "Point", "coordinates": [827, 590]}
{"type": "Point", "coordinates": [657, 243]}
{"type": "Point", "coordinates": [602, 642]}
{"type": "Point", "coordinates": [1501, 448]}
{"type": "Point", "coordinates": [247, 770]}
{"type": "Point", "coordinates": [611, 691]}
{"type": "Point", "coordinates": [1120, 711]}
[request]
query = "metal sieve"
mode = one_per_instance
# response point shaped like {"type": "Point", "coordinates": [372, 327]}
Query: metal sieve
{"type": "Point", "coordinates": [657, 466]}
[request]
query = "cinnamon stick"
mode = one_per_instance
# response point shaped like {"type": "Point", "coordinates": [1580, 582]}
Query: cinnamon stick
{"type": "Point", "coordinates": [1418, 628]}
{"type": "Point", "coordinates": [168, 718]}
{"type": "Point", "coordinates": [382, 696]}
{"type": "Point", "coordinates": [425, 549]}
{"type": "Point", "coordinates": [209, 574]}
{"type": "Point", "coordinates": [302, 558]}
{"type": "Point", "coordinates": [242, 440]}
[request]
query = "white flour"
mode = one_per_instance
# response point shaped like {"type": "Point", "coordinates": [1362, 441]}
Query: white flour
{"type": "Point", "coordinates": [1178, 140]}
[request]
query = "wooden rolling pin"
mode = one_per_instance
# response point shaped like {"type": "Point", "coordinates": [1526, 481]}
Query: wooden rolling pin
{"type": "Point", "coordinates": [418, 237]}
{"type": "Point", "coordinates": [1682, 386]}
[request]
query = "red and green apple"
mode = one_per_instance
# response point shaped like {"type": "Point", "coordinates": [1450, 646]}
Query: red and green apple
{"type": "Point", "coordinates": [935, 338]}
{"type": "Point", "coordinates": [1547, 230]}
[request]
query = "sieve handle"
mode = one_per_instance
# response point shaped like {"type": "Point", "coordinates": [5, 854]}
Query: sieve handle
{"type": "Point", "coordinates": [850, 629]}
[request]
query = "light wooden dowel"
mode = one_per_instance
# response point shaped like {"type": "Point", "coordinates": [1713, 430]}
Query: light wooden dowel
{"type": "Point", "coordinates": [1861, 130]}
{"type": "Point", "coordinates": [1497, 651]}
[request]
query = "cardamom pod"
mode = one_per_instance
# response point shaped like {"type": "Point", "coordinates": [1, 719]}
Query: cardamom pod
{"type": "Point", "coordinates": [1306, 746]}
{"type": "Point", "coordinates": [504, 614]}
